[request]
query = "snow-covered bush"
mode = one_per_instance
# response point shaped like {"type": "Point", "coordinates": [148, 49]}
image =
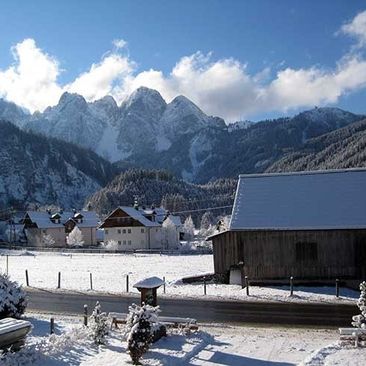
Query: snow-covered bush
{"type": "Point", "coordinates": [12, 298]}
{"type": "Point", "coordinates": [111, 245]}
{"type": "Point", "coordinates": [99, 324]}
{"type": "Point", "coordinates": [188, 228]}
{"type": "Point", "coordinates": [48, 240]}
{"type": "Point", "coordinates": [141, 323]}
{"type": "Point", "coordinates": [75, 238]}
{"type": "Point", "coordinates": [359, 321]}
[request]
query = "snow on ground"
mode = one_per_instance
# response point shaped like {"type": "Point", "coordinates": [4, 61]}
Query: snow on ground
{"type": "Point", "coordinates": [214, 344]}
{"type": "Point", "coordinates": [109, 275]}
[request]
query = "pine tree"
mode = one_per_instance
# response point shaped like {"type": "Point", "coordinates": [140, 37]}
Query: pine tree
{"type": "Point", "coordinates": [99, 324]}
{"type": "Point", "coordinates": [140, 324]}
{"type": "Point", "coordinates": [359, 321]}
{"type": "Point", "coordinates": [75, 238]}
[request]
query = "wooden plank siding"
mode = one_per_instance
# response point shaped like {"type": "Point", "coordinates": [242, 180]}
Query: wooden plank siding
{"type": "Point", "coordinates": [312, 254]}
{"type": "Point", "coordinates": [119, 218]}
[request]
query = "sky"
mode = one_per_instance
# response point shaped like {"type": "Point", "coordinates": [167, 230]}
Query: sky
{"type": "Point", "coordinates": [249, 59]}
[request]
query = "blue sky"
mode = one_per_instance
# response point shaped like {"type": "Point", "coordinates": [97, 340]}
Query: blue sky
{"type": "Point", "coordinates": [224, 55]}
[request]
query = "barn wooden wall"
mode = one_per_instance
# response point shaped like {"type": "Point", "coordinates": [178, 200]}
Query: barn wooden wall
{"type": "Point", "coordinates": [272, 254]}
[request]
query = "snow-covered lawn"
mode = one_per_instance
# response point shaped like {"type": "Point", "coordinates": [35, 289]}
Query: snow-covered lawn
{"type": "Point", "coordinates": [109, 275]}
{"type": "Point", "coordinates": [214, 344]}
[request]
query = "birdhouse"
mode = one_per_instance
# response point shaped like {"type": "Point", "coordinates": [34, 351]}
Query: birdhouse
{"type": "Point", "coordinates": [148, 288]}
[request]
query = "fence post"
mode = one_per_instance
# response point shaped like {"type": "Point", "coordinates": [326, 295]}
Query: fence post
{"type": "Point", "coordinates": [91, 280]}
{"type": "Point", "coordinates": [291, 286]}
{"type": "Point", "coordinates": [164, 284]}
{"type": "Point", "coordinates": [7, 265]}
{"type": "Point", "coordinates": [52, 326]}
{"type": "Point", "coordinates": [337, 287]}
{"type": "Point", "coordinates": [247, 285]}
{"type": "Point", "coordinates": [86, 315]}
{"type": "Point", "coordinates": [204, 286]}
{"type": "Point", "coordinates": [59, 280]}
{"type": "Point", "coordinates": [127, 283]}
{"type": "Point", "coordinates": [26, 278]}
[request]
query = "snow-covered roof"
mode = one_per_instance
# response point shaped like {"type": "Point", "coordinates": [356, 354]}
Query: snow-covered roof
{"type": "Point", "coordinates": [150, 282]}
{"type": "Point", "coordinates": [333, 199]}
{"type": "Point", "coordinates": [43, 219]}
{"type": "Point", "coordinates": [175, 220]}
{"type": "Point", "coordinates": [138, 215]}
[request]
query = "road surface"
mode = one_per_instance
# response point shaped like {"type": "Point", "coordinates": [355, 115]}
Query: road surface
{"type": "Point", "coordinates": [204, 310]}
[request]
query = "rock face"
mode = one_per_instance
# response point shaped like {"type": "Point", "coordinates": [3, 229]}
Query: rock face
{"type": "Point", "coordinates": [147, 132]}
{"type": "Point", "coordinates": [39, 170]}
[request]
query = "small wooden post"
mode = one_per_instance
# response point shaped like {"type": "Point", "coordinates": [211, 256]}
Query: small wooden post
{"type": "Point", "coordinates": [7, 265]}
{"type": "Point", "coordinates": [337, 287]}
{"type": "Point", "coordinates": [164, 284]}
{"type": "Point", "coordinates": [52, 326]}
{"type": "Point", "coordinates": [59, 280]}
{"type": "Point", "coordinates": [204, 286]}
{"type": "Point", "coordinates": [127, 283]}
{"type": "Point", "coordinates": [291, 286]}
{"type": "Point", "coordinates": [91, 280]}
{"type": "Point", "coordinates": [247, 285]}
{"type": "Point", "coordinates": [26, 278]}
{"type": "Point", "coordinates": [86, 315]}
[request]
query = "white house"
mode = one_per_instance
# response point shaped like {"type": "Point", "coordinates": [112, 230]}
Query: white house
{"type": "Point", "coordinates": [140, 228]}
{"type": "Point", "coordinates": [38, 224]}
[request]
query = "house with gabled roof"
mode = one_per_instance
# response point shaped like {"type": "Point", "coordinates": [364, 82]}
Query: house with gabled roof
{"type": "Point", "coordinates": [38, 224]}
{"type": "Point", "coordinates": [133, 228]}
{"type": "Point", "coordinates": [310, 225]}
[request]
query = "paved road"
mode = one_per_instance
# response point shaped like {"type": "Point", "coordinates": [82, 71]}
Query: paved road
{"type": "Point", "coordinates": [203, 310]}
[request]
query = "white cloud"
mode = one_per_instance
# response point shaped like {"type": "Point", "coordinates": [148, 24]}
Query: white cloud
{"type": "Point", "coordinates": [31, 81]}
{"type": "Point", "coordinates": [220, 87]}
{"type": "Point", "coordinates": [119, 43]}
{"type": "Point", "coordinates": [357, 28]}
{"type": "Point", "coordinates": [101, 78]}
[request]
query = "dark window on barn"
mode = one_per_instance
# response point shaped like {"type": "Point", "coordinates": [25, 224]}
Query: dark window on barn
{"type": "Point", "coordinates": [306, 252]}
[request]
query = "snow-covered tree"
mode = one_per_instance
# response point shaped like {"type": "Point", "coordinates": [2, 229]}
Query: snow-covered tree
{"type": "Point", "coordinates": [99, 324]}
{"type": "Point", "coordinates": [75, 238]}
{"type": "Point", "coordinates": [359, 321]}
{"type": "Point", "coordinates": [48, 240]}
{"type": "Point", "coordinates": [207, 220]}
{"type": "Point", "coordinates": [12, 298]}
{"type": "Point", "coordinates": [170, 234]}
{"type": "Point", "coordinates": [188, 228]}
{"type": "Point", "coordinates": [140, 325]}
{"type": "Point", "coordinates": [112, 245]}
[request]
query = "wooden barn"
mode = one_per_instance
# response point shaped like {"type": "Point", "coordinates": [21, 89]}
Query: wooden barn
{"type": "Point", "coordinates": [310, 225]}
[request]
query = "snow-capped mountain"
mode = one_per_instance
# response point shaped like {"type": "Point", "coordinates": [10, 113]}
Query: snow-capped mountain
{"type": "Point", "coordinates": [145, 131]}
{"type": "Point", "coordinates": [40, 170]}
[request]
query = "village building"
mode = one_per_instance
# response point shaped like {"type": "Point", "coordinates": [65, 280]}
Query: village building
{"type": "Point", "coordinates": [141, 228]}
{"type": "Point", "coordinates": [310, 225]}
{"type": "Point", "coordinates": [39, 224]}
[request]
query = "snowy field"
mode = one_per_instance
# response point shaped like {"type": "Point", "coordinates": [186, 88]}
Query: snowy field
{"type": "Point", "coordinates": [109, 275]}
{"type": "Point", "coordinates": [212, 345]}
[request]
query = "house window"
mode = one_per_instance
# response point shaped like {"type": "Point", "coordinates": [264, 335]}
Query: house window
{"type": "Point", "coordinates": [124, 231]}
{"type": "Point", "coordinates": [129, 242]}
{"type": "Point", "coordinates": [119, 242]}
{"type": "Point", "coordinates": [119, 231]}
{"type": "Point", "coordinates": [306, 252]}
{"type": "Point", "coordinates": [142, 230]}
{"type": "Point", "coordinates": [124, 242]}
{"type": "Point", "coordinates": [106, 232]}
{"type": "Point", "coordinates": [129, 231]}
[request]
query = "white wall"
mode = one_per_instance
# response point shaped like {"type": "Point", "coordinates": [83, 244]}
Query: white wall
{"type": "Point", "coordinates": [132, 238]}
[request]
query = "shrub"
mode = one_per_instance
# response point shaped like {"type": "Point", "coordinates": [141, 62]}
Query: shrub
{"type": "Point", "coordinates": [99, 325]}
{"type": "Point", "coordinates": [141, 323]}
{"type": "Point", "coordinates": [359, 321]}
{"type": "Point", "coordinates": [12, 298]}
